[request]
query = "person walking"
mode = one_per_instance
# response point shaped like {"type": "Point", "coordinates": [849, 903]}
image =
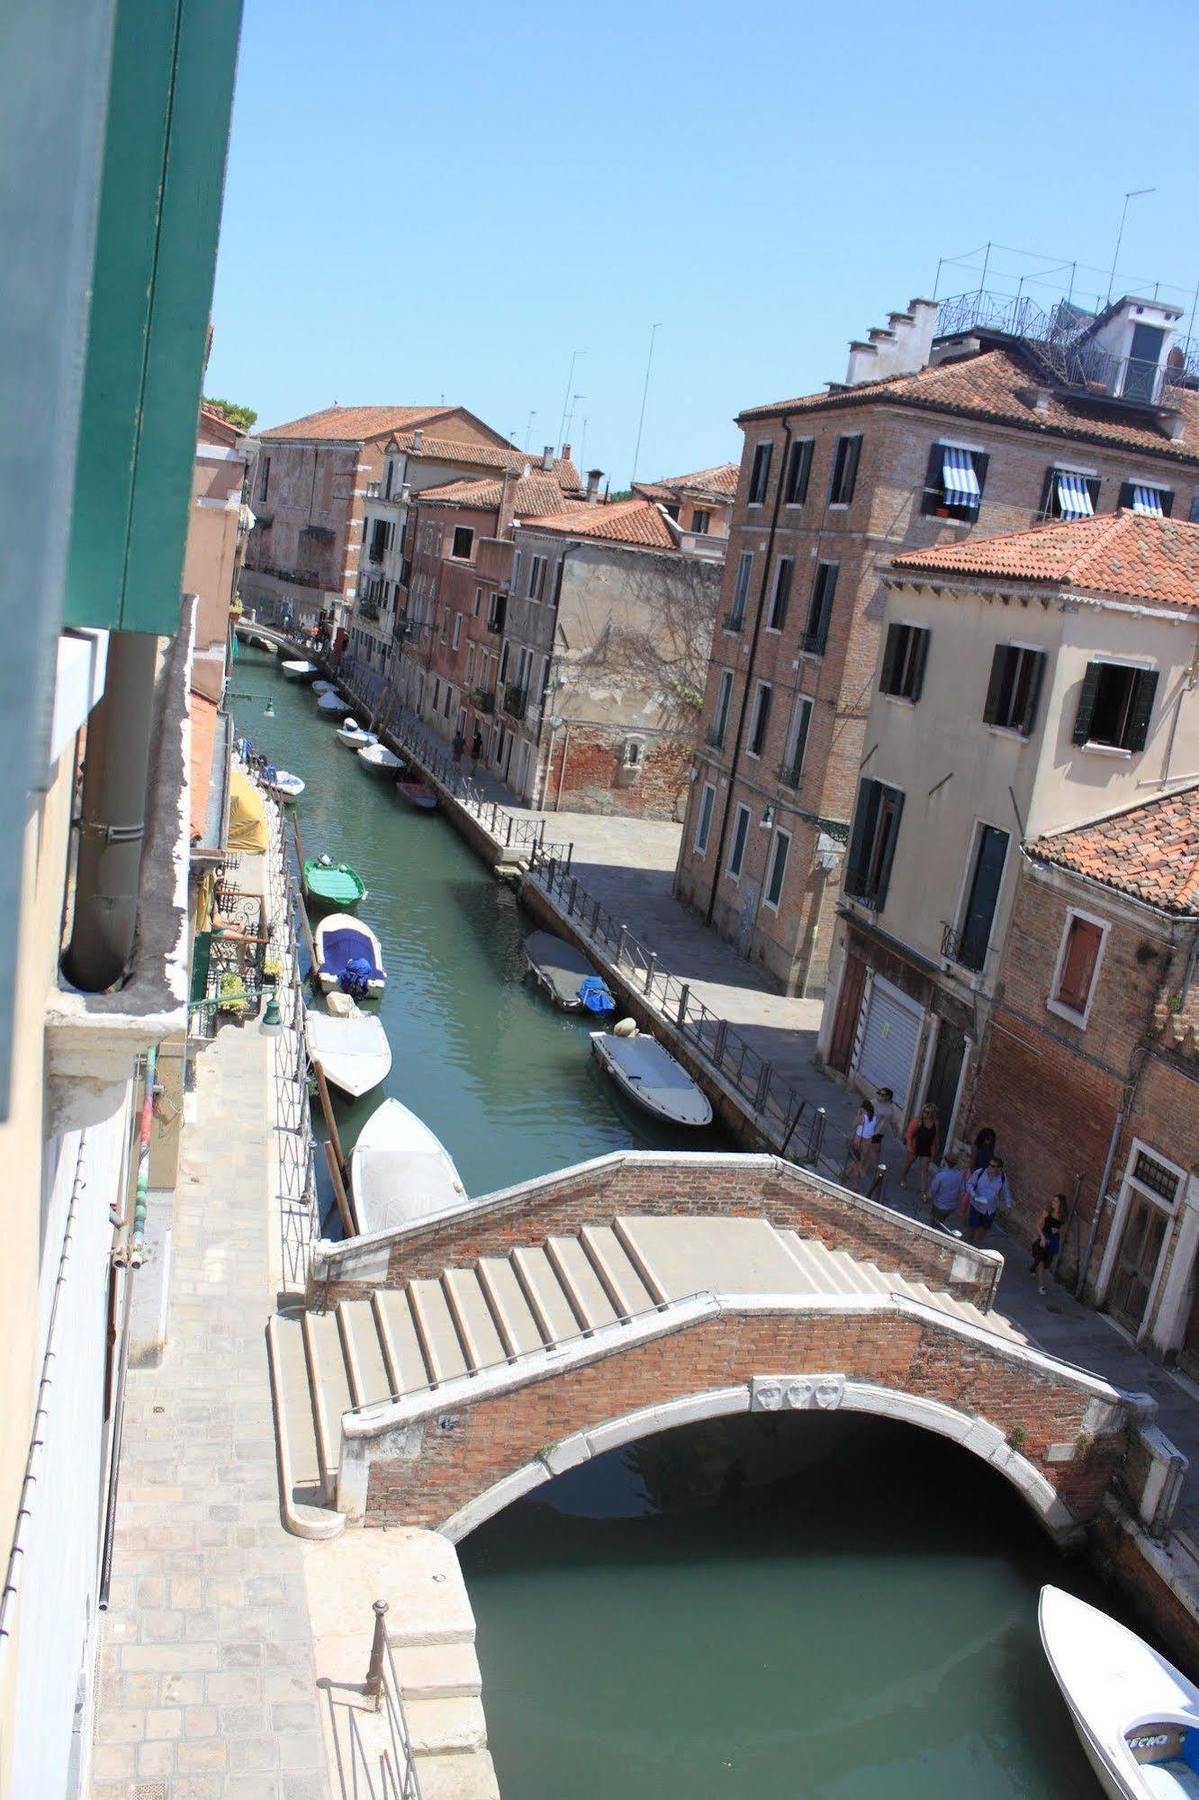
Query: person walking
{"type": "Point", "coordinates": [923, 1138]}
{"type": "Point", "coordinates": [459, 744]}
{"type": "Point", "coordinates": [476, 750]}
{"type": "Point", "coordinates": [946, 1191]}
{"type": "Point", "coordinates": [987, 1191]}
{"type": "Point", "coordinates": [1049, 1241]}
{"type": "Point", "coordinates": [861, 1163]}
{"type": "Point", "coordinates": [888, 1120]}
{"type": "Point", "coordinates": [984, 1149]}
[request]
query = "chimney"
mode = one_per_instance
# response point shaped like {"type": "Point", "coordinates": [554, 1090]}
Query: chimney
{"type": "Point", "coordinates": [418, 438]}
{"type": "Point", "coordinates": [547, 457]}
{"type": "Point", "coordinates": [507, 503]}
{"type": "Point", "coordinates": [900, 347]}
{"type": "Point", "coordinates": [594, 477]}
{"type": "Point", "coordinates": [566, 453]}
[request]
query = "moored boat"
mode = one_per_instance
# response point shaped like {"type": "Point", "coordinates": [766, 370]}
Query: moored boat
{"type": "Point", "coordinates": [283, 783]}
{"type": "Point", "coordinates": [399, 1171]}
{"type": "Point", "coordinates": [332, 704]}
{"type": "Point", "coordinates": [377, 759]}
{"type": "Point", "coordinates": [332, 884]}
{"type": "Point", "coordinates": [322, 686]}
{"type": "Point", "coordinates": [565, 974]}
{"type": "Point", "coordinates": [416, 794]}
{"type": "Point", "coordinates": [348, 956]}
{"type": "Point", "coordinates": [350, 1045]}
{"type": "Point", "coordinates": [298, 670]}
{"type": "Point", "coordinates": [354, 737]}
{"type": "Point", "coordinates": [651, 1076]}
{"type": "Point", "coordinates": [1136, 1716]}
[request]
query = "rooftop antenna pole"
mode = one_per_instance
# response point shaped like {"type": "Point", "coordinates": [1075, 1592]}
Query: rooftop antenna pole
{"type": "Point", "coordinates": [529, 428]}
{"type": "Point", "coordinates": [1132, 194]}
{"type": "Point", "coordinates": [982, 285]}
{"type": "Point", "coordinates": [570, 417]}
{"type": "Point", "coordinates": [649, 363]}
{"type": "Point", "coordinates": [937, 282]}
{"type": "Point", "coordinates": [574, 357]}
{"type": "Point", "coordinates": [1186, 348]}
{"type": "Point", "coordinates": [583, 446]}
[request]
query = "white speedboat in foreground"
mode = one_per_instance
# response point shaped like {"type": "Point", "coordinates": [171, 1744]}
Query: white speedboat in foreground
{"type": "Point", "coordinates": [282, 782]}
{"type": "Point", "coordinates": [399, 1171]}
{"type": "Point", "coordinates": [651, 1076]}
{"type": "Point", "coordinates": [352, 735]}
{"type": "Point", "coordinates": [332, 704]}
{"type": "Point", "coordinates": [1136, 1716]}
{"type": "Point", "coordinates": [351, 1046]}
{"type": "Point", "coordinates": [296, 670]}
{"type": "Point", "coordinates": [377, 759]}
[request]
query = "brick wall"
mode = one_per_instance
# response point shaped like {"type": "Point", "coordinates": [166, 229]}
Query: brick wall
{"type": "Point", "coordinates": [596, 780]}
{"type": "Point", "coordinates": [494, 1437]}
{"type": "Point", "coordinates": [734, 1186]}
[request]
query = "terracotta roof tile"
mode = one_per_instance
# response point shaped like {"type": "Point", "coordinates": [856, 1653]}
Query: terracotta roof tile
{"type": "Point", "coordinates": [1129, 553]}
{"type": "Point", "coordinates": [1150, 851]}
{"type": "Point", "coordinates": [997, 384]}
{"type": "Point", "coordinates": [352, 424]}
{"type": "Point", "coordinates": [535, 493]}
{"type": "Point", "coordinates": [721, 480]}
{"type": "Point", "coordinates": [485, 456]}
{"type": "Point", "coordinates": [623, 522]}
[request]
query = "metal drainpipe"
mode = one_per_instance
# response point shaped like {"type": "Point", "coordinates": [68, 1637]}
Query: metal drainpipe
{"type": "Point", "coordinates": [137, 1248]}
{"type": "Point", "coordinates": [718, 861]}
{"type": "Point", "coordinates": [112, 818]}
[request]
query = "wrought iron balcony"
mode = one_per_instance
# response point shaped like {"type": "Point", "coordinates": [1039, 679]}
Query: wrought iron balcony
{"type": "Point", "coordinates": [368, 609]}
{"type": "Point", "coordinates": [714, 737]}
{"type": "Point", "coordinates": [789, 774]}
{"type": "Point", "coordinates": [963, 948]}
{"type": "Point", "coordinates": [484, 701]}
{"type": "Point", "coordinates": [734, 621]}
{"type": "Point", "coordinates": [516, 700]}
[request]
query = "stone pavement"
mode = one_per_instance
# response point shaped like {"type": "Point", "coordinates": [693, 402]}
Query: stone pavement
{"type": "Point", "coordinates": [207, 1678]}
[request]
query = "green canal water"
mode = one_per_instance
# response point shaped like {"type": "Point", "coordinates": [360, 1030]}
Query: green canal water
{"type": "Point", "coordinates": [761, 1609]}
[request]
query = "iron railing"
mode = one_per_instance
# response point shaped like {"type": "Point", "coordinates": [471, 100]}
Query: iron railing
{"type": "Point", "coordinates": [962, 948]}
{"type": "Point", "coordinates": [516, 700]}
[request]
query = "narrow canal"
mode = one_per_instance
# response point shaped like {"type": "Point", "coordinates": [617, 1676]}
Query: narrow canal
{"type": "Point", "coordinates": [760, 1609]}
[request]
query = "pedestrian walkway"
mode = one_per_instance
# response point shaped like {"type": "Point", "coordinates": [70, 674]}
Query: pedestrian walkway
{"type": "Point", "coordinates": [207, 1678]}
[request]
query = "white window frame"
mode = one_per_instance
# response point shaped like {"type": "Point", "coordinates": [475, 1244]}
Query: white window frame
{"type": "Point", "coordinates": [703, 825]}
{"type": "Point", "coordinates": [742, 812]}
{"type": "Point", "coordinates": [633, 764]}
{"type": "Point", "coordinates": [1053, 1003]}
{"type": "Point", "coordinates": [767, 902]}
{"type": "Point", "coordinates": [1129, 1185]}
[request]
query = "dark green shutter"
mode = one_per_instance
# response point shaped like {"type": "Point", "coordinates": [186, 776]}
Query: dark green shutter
{"type": "Point", "coordinates": [1141, 709]}
{"type": "Point", "coordinates": [895, 636]}
{"type": "Point", "coordinates": [1049, 494]}
{"type": "Point", "coordinates": [1167, 498]}
{"type": "Point", "coordinates": [1036, 676]}
{"type": "Point", "coordinates": [1125, 494]}
{"type": "Point", "coordinates": [804, 471]}
{"type": "Point", "coordinates": [919, 659]}
{"type": "Point", "coordinates": [934, 480]}
{"type": "Point", "coordinates": [888, 851]}
{"type": "Point", "coordinates": [1086, 704]}
{"type": "Point", "coordinates": [801, 736]}
{"type": "Point", "coordinates": [1094, 483]}
{"type": "Point", "coordinates": [853, 452]}
{"type": "Point", "coordinates": [981, 460]}
{"type": "Point", "coordinates": [996, 684]}
{"type": "Point", "coordinates": [864, 814]}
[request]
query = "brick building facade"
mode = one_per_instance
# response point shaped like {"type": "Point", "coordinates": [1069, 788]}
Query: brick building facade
{"type": "Point", "coordinates": [1089, 1071]}
{"type": "Point", "coordinates": [700, 504]}
{"type": "Point", "coordinates": [979, 432]}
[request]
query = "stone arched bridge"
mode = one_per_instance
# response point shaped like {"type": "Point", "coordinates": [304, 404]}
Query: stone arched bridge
{"type": "Point", "coordinates": [439, 1372]}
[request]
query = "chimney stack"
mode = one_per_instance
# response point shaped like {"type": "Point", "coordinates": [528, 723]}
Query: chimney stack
{"type": "Point", "coordinates": [507, 503]}
{"type": "Point", "coordinates": [566, 453]}
{"type": "Point", "coordinates": [418, 438]}
{"type": "Point", "coordinates": [594, 477]}
{"type": "Point", "coordinates": [547, 457]}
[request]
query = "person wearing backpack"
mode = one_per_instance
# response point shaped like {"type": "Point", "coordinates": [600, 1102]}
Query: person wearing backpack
{"type": "Point", "coordinates": [987, 1192]}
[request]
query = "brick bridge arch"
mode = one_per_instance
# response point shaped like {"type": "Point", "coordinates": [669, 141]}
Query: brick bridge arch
{"type": "Point", "coordinates": [451, 1457]}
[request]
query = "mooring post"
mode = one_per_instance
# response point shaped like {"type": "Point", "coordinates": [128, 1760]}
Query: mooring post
{"type": "Point", "coordinates": [374, 1673]}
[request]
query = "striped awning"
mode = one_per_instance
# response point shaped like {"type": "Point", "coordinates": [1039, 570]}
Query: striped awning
{"type": "Point", "coordinates": [1148, 500]}
{"type": "Point", "coordinates": [1073, 496]}
{"type": "Point", "coordinates": [958, 478]}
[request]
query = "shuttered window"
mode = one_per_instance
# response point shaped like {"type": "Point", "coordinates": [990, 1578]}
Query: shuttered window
{"type": "Point", "coordinates": [1068, 494]}
{"type": "Point", "coordinates": [799, 471]}
{"type": "Point", "coordinates": [759, 478]}
{"type": "Point", "coordinates": [778, 868]}
{"type": "Point", "coordinates": [740, 833]}
{"type": "Point", "coordinates": [1142, 497]}
{"type": "Point", "coordinates": [761, 724]}
{"type": "Point", "coordinates": [1116, 706]}
{"type": "Point", "coordinates": [876, 822]}
{"type": "Point", "coordinates": [703, 829]}
{"type": "Point", "coordinates": [954, 481]}
{"type": "Point", "coordinates": [735, 618]}
{"type": "Point", "coordinates": [784, 570]}
{"type": "Point", "coordinates": [845, 470]}
{"type": "Point", "coordinates": [1014, 688]}
{"type": "Point", "coordinates": [904, 658]}
{"type": "Point", "coordinates": [820, 611]}
{"type": "Point", "coordinates": [1084, 939]}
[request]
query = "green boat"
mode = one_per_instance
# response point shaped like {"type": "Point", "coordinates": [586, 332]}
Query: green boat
{"type": "Point", "coordinates": [333, 884]}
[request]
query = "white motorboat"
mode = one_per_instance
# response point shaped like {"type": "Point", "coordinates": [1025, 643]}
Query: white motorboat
{"type": "Point", "coordinates": [297, 670]}
{"type": "Point", "coordinates": [399, 1171]}
{"type": "Point", "coordinates": [651, 1076]}
{"type": "Point", "coordinates": [282, 782]}
{"type": "Point", "coordinates": [354, 737]}
{"type": "Point", "coordinates": [348, 956]}
{"type": "Point", "coordinates": [1136, 1716]}
{"type": "Point", "coordinates": [350, 1045]}
{"type": "Point", "coordinates": [332, 705]}
{"type": "Point", "coordinates": [322, 686]}
{"type": "Point", "coordinates": [379, 760]}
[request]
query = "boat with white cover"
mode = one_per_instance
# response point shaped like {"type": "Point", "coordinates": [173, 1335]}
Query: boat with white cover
{"type": "Point", "coordinates": [348, 956]}
{"type": "Point", "coordinates": [350, 1045]}
{"type": "Point", "coordinates": [354, 737]}
{"type": "Point", "coordinates": [282, 782]}
{"type": "Point", "coordinates": [1136, 1716]}
{"type": "Point", "coordinates": [332, 704]}
{"type": "Point", "coordinates": [399, 1171]}
{"type": "Point", "coordinates": [377, 759]}
{"type": "Point", "coordinates": [651, 1076]}
{"type": "Point", "coordinates": [322, 686]}
{"type": "Point", "coordinates": [297, 670]}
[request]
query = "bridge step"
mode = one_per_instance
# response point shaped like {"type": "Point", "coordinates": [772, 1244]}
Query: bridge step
{"type": "Point", "coordinates": [438, 1671]}
{"type": "Point", "coordinates": [458, 1777]}
{"type": "Point", "coordinates": [407, 1340]}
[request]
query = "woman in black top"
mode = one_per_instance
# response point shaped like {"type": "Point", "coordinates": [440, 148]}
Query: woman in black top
{"type": "Point", "coordinates": [984, 1149]}
{"type": "Point", "coordinates": [1049, 1241]}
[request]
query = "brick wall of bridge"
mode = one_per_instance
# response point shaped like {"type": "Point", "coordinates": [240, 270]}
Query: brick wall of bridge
{"type": "Point", "coordinates": [733, 1186]}
{"type": "Point", "coordinates": [491, 1438]}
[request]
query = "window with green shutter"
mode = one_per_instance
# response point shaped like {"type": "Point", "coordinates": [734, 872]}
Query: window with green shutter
{"type": "Point", "coordinates": [904, 658]}
{"type": "Point", "coordinates": [1116, 706]}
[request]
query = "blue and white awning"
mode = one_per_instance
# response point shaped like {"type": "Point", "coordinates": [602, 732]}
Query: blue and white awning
{"type": "Point", "coordinates": [958, 478]}
{"type": "Point", "coordinates": [1148, 500]}
{"type": "Point", "coordinates": [1073, 496]}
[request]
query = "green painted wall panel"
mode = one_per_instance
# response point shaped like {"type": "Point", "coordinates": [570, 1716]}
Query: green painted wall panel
{"type": "Point", "coordinates": [164, 161]}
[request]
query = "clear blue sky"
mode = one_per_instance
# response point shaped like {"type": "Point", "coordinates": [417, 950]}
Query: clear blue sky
{"type": "Point", "coordinates": [447, 200]}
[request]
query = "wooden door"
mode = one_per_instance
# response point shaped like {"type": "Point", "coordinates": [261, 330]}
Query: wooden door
{"type": "Point", "coordinates": [1136, 1261]}
{"type": "Point", "coordinates": [849, 1005]}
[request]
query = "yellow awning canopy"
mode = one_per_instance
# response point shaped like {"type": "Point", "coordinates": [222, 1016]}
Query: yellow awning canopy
{"type": "Point", "coordinates": [247, 814]}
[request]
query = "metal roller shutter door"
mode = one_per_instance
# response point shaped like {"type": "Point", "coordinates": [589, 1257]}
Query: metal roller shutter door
{"type": "Point", "coordinates": [890, 1037]}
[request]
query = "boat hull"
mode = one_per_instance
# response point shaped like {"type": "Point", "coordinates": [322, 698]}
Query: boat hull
{"type": "Point", "coordinates": [416, 795]}
{"type": "Point", "coordinates": [298, 671]}
{"type": "Point", "coordinates": [399, 1171]}
{"type": "Point", "coordinates": [338, 932]}
{"type": "Point", "coordinates": [384, 767]}
{"type": "Point", "coordinates": [653, 1079]}
{"type": "Point", "coordinates": [353, 1051]}
{"type": "Point", "coordinates": [558, 968]}
{"type": "Point", "coordinates": [335, 885]}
